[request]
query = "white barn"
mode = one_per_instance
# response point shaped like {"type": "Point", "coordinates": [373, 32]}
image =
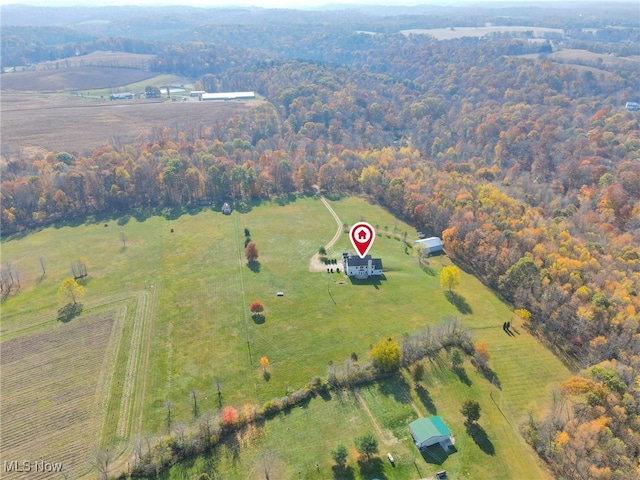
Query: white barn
{"type": "Point", "coordinates": [361, 268]}
{"type": "Point", "coordinates": [432, 244]}
{"type": "Point", "coordinates": [227, 96]}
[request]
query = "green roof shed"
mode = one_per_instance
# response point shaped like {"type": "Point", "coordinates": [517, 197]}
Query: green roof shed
{"type": "Point", "coordinates": [429, 431]}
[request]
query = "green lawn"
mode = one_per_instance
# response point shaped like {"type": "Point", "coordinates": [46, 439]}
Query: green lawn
{"type": "Point", "coordinates": [200, 288]}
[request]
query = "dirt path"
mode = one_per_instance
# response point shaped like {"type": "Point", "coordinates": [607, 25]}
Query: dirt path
{"type": "Point", "coordinates": [315, 265]}
{"type": "Point", "coordinates": [385, 435]}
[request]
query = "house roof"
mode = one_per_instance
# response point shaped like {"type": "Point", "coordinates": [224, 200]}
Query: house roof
{"type": "Point", "coordinates": [431, 242]}
{"type": "Point", "coordinates": [425, 428]}
{"type": "Point", "coordinates": [356, 261]}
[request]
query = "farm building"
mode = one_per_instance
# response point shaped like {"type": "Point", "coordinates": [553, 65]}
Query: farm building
{"type": "Point", "coordinates": [121, 96]}
{"type": "Point", "coordinates": [226, 209]}
{"type": "Point", "coordinates": [196, 93]}
{"type": "Point", "coordinates": [204, 201]}
{"type": "Point", "coordinates": [432, 244]}
{"type": "Point", "coordinates": [429, 431]}
{"type": "Point", "coordinates": [361, 268]}
{"type": "Point", "coordinates": [228, 96]}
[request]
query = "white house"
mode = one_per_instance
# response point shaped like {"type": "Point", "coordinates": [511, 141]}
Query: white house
{"type": "Point", "coordinates": [429, 431]}
{"type": "Point", "coordinates": [632, 106]}
{"type": "Point", "coordinates": [361, 268]}
{"type": "Point", "coordinates": [432, 244]}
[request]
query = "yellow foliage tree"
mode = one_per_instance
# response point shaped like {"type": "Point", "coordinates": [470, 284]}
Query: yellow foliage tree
{"type": "Point", "coordinates": [70, 291]}
{"type": "Point", "coordinates": [386, 354]}
{"type": "Point", "coordinates": [562, 438]}
{"type": "Point", "coordinates": [450, 277]}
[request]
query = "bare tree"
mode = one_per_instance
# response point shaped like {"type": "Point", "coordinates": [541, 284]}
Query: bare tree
{"type": "Point", "coordinates": [268, 462]}
{"type": "Point", "coordinates": [137, 449]}
{"type": "Point", "coordinates": [194, 396]}
{"type": "Point", "coordinates": [102, 459]}
{"type": "Point", "coordinates": [204, 430]}
{"type": "Point", "coordinates": [42, 265]}
{"type": "Point", "coordinates": [16, 275]}
{"type": "Point", "coordinates": [79, 269]}
{"type": "Point", "coordinates": [124, 240]}
{"type": "Point", "coordinates": [219, 392]}
{"type": "Point", "coordinates": [167, 404]}
{"type": "Point", "coordinates": [180, 429]}
{"type": "Point", "coordinates": [6, 279]}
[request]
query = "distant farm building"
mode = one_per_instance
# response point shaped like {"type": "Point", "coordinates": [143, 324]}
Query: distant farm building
{"type": "Point", "coordinates": [632, 106]}
{"type": "Point", "coordinates": [204, 201]}
{"type": "Point", "coordinates": [197, 93]}
{"type": "Point", "coordinates": [227, 96]}
{"type": "Point", "coordinates": [432, 244]}
{"type": "Point", "coordinates": [430, 431]}
{"type": "Point", "coordinates": [361, 268]}
{"type": "Point", "coordinates": [121, 96]}
{"type": "Point", "coordinates": [226, 209]}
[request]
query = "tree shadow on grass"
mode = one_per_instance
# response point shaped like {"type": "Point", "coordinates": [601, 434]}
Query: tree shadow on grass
{"type": "Point", "coordinates": [124, 219]}
{"type": "Point", "coordinates": [480, 437]}
{"type": "Point", "coordinates": [458, 301]}
{"type": "Point", "coordinates": [231, 444]}
{"type": "Point", "coordinates": [325, 394]}
{"type": "Point", "coordinates": [396, 386]}
{"type": "Point", "coordinates": [343, 473]}
{"type": "Point", "coordinates": [462, 375]}
{"type": "Point", "coordinates": [254, 266]}
{"type": "Point", "coordinates": [285, 199]}
{"type": "Point", "coordinates": [371, 468]}
{"type": "Point", "coordinates": [426, 399]}
{"type": "Point", "coordinates": [426, 268]}
{"type": "Point", "coordinates": [258, 318]}
{"type": "Point", "coordinates": [489, 374]}
{"type": "Point", "coordinates": [69, 312]}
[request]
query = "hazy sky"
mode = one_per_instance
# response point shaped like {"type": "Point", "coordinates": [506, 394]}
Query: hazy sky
{"type": "Point", "coordinates": [223, 3]}
{"type": "Point", "coordinates": [299, 4]}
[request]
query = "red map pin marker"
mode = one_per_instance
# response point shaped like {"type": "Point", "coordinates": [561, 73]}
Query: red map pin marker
{"type": "Point", "coordinates": [362, 236]}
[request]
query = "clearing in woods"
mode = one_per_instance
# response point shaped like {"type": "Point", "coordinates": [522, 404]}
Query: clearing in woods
{"type": "Point", "coordinates": [184, 274]}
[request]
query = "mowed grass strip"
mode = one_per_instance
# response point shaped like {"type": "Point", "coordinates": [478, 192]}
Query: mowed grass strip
{"type": "Point", "coordinates": [49, 409]}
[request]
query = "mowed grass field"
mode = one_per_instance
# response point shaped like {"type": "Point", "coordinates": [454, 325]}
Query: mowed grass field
{"type": "Point", "coordinates": [197, 331]}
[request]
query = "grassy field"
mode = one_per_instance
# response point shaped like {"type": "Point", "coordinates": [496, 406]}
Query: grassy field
{"type": "Point", "coordinates": [191, 328]}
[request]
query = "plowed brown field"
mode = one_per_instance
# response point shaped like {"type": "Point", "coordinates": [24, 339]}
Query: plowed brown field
{"type": "Point", "coordinates": [51, 407]}
{"type": "Point", "coordinates": [35, 122]}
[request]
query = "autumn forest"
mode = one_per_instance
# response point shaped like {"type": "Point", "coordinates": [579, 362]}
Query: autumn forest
{"type": "Point", "coordinates": [528, 167]}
